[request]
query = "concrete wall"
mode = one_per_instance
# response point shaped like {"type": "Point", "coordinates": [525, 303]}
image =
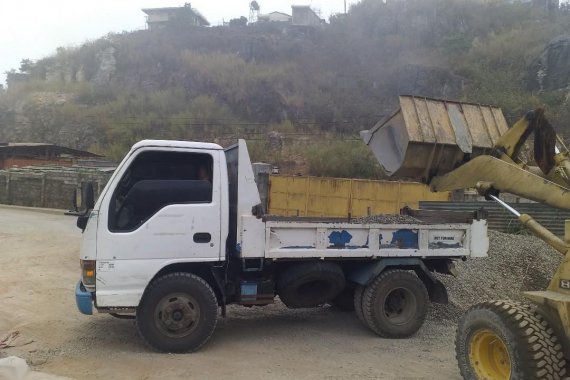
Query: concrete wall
{"type": "Point", "coordinates": [10, 162]}
{"type": "Point", "coordinates": [51, 187]}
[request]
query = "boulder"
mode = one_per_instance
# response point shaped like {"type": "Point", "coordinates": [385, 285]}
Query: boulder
{"type": "Point", "coordinates": [551, 70]}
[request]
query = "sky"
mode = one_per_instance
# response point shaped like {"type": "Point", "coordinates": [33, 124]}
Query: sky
{"type": "Point", "coordinates": [33, 29]}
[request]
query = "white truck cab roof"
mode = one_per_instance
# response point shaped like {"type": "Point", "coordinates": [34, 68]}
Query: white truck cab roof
{"type": "Point", "coordinates": [175, 144]}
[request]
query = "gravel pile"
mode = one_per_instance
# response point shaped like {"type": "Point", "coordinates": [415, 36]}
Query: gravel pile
{"type": "Point", "coordinates": [387, 219]}
{"type": "Point", "coordinates": [515, 263]}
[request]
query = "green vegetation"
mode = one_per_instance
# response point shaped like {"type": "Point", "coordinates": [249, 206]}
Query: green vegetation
{"type": "Point", "coordinates": [317, 89]}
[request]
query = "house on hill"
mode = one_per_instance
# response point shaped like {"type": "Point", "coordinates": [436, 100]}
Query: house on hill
{"type": "Point", "coordinates": [274, 17]}
{"type": "Point", "coordinates": [184, 16]}
{"type": "Point", "coordinates": [303, 15]}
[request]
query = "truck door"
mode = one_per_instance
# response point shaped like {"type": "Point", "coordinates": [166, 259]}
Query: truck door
{"type": "Point", "coordinates": [166, 205]}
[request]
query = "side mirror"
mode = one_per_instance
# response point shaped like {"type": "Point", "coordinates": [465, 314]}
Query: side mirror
{"type": "Point", "coordinates": [89, 196]}
{"type": "Point", "coordinates": [86, 200]}
{"type": "Point", "coordinates": [82, 221]}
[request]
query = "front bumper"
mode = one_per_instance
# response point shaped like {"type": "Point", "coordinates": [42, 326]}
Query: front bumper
{"type": "Point", "coordinates": [83, 299]}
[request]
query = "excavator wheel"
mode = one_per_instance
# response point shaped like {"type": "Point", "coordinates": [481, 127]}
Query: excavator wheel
{"type": "Point", "coordinates": [502, 340]}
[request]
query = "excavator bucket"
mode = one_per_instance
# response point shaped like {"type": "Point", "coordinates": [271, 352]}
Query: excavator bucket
{"type": "Point", "coordinates": [429, 137]}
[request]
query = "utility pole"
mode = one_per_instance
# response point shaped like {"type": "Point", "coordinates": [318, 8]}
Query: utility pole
{"type": "Point", "coordinates": [344, 6]}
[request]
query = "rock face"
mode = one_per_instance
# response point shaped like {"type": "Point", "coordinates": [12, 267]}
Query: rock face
{"type": "Point", "coordinates": [107, 66]}
{"type": "Point", "coordinates": [551, 71]}
{"type": "Point", "coordinates": [40, 117]}
{"type": "Point", "coordinates": [428, 81]}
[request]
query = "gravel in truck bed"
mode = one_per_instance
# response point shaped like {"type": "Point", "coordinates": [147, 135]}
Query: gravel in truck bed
{"type": "Point", "coordinates": [387, 219]}
{"type": "Point", "coordinates": [515, 263]}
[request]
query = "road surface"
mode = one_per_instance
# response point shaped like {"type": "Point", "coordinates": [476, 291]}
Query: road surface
{"type": "Point", "coordinates": [39, 267]}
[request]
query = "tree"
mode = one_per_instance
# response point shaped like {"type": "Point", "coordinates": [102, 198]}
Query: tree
{"type": "Point", "coordinates": [238, 22]}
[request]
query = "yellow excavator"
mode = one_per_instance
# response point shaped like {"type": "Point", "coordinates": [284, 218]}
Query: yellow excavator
{"type": "Point", "coordinates": [454, 146]}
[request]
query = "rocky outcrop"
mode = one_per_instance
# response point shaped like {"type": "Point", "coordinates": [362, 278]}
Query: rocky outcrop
{"type": "Point", "coordinates": [107, 66]}
{"type": "Point", "coordinates": [428, 81]}
{"type": "Point", "coordinates": [42, 117]}
{"type": "Point", "coordinates": [102, 72]}
{"type": "Point", "coordinates": [551, 71]}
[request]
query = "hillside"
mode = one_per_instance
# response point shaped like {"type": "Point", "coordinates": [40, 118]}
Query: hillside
{"type": "Point", "coordinates": [313, 88]}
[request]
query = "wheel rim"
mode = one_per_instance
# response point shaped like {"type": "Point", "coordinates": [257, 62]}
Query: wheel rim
{"type": "Point", "coordinates": [399, 306]}
{"type": "Point", "coordinates": [489, 356]}
{"type": "Point", "coordinates": [177, 315]}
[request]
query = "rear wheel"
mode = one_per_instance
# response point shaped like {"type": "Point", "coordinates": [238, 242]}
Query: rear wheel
{"type": "Point", "coordinates": [358, 303]}
{"type": "Point", "coordinates": [395, 304]}
{"type": "Point", "coordinates": [505, 340]}
{"type": "Point", "coordinates": [178, 313]}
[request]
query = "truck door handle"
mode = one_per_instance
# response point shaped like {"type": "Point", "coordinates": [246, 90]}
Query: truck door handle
{"type": "Point", "coordinates": [202, 237]}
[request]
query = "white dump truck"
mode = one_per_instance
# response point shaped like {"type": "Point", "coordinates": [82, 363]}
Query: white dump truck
{"type": "Point", "coordinates": [179, 232]}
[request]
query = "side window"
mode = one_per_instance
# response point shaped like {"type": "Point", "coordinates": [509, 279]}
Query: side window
{"type": "Point", "coordinates": [157, 179]}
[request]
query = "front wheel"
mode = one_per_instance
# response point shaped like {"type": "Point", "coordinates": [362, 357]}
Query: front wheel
{"type": "Point", "coordinates": [505, 340]}
{"type": "Point", "coordinates": [178, 313]}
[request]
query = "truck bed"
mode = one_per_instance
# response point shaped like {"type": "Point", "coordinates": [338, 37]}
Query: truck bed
{"type": "Point", "coordinates": [289, 237]}
{"type": "Point", "coordinates": [258, 236]}
{"type": "Point", "coordinates": [351, 240]}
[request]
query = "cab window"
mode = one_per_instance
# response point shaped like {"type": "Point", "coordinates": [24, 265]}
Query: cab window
{"type": "Point", "coordinates": [156, 179]}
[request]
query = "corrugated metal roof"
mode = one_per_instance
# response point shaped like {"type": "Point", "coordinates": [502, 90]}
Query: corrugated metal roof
{"type": "Point", "coordinates": [40, 148]}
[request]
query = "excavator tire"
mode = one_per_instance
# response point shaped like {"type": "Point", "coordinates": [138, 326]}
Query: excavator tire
{"type": "Point", "coordinates": [507, 340]}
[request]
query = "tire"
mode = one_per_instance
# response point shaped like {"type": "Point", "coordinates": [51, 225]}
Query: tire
{"type": "Point", "coordinates": [310, 284]}
{"type": "Point", "coordinates": [507, 340]}
{"type": "Point", "coordinates": [358, 303]}
{"type": "Point", "coordinates": [178, 313]}
{"type": "Point", "coordinates": [345, 300]}
{"type": "Point", "coordinates": [395, 304]}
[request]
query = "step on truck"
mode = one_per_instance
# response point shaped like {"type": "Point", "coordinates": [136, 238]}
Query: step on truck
{"type": "Point", "coordinates": [179, 232]}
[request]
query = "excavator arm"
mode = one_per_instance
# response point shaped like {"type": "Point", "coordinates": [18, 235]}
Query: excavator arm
{"type": "Point", "coordinates": [491, 170]}
{"type": "Point", "coordinates": [503, 171]}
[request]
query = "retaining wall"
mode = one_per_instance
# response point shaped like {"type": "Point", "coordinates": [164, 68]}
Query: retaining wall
{"type": "Point", "coordinates": [50, 187]}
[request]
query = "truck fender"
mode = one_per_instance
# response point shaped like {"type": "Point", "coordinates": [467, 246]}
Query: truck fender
{"type": "Point", "coordinates": [212, 273]}
{"type": "Point", "coordinates": [364, 273]}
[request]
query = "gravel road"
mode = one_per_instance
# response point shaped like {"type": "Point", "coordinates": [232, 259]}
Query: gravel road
{"type": "Point", "coordinates": [38, 272]}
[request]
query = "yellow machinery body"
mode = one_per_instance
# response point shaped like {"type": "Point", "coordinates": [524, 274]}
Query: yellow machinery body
{"type": "Point", "coordinates": [494, 165]}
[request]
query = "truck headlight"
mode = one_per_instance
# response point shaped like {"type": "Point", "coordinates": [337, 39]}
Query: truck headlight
{"type": "Point", "coordinates": [88, 272]}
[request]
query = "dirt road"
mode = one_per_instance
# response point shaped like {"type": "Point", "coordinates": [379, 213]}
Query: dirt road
{"type": "Point", "coordinates": [38, 272]}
